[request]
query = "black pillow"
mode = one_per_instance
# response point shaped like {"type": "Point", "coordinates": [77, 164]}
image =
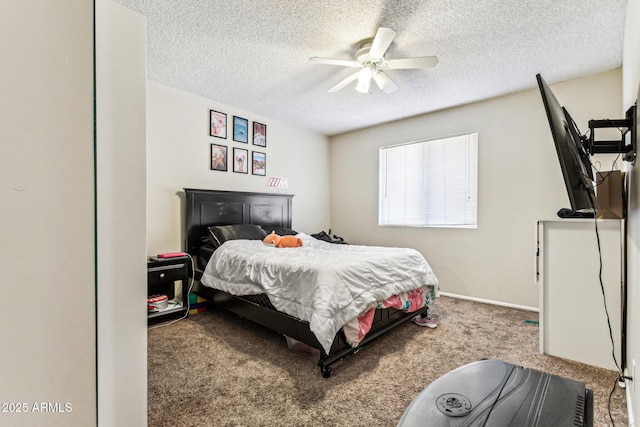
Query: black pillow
{"type": "Point", "coordinates": [222, 233]}
{"type": "Point", "coordinates": [280, 231]}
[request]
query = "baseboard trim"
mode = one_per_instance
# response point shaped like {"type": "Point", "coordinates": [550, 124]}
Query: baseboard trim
{"type": "Point", "coordinates": [488, 301]}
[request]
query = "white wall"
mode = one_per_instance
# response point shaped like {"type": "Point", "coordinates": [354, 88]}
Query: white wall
{"type": "Point", "coordinates": [47, 217]}
{"type": "Point", "coordinates": [519, 182]}
{"type": "Point", "coordinates": [178, 156]}
{"type": "Point", "coordinates": [121, 215]}
{"type": "Point", "coordinates": [631, 77]}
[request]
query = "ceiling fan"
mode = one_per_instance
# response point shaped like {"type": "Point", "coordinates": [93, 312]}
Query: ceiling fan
{"type": "Point", "coordinates": [370, 58]}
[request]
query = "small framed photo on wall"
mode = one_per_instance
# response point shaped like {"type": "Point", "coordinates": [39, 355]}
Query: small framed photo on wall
{"type": "Point", "coordinates": [218, 124]}
{"type": "Point", "coordinates": [218, 157]}
{"type": "Point", "coordinates": [259, 134]}
{"type": "Point", "coordinates": [240, 129]}
{"type": "Point", "coordinates": [240, 160]}
{"type": "Point", "coordinates": [258, 163]}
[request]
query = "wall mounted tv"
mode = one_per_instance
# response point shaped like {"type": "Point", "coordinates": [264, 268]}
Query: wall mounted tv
{"type": "Point", "coordinates": [574, 150]}
{"type": "Point", "coordinates": [571, 148]}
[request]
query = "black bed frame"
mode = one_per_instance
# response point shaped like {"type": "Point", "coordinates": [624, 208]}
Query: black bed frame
{"type": "Point", "coordinates": [205, 208]}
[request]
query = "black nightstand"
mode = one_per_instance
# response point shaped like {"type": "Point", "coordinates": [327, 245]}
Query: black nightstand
{"type": "Point", "coordinates": [162, 274]}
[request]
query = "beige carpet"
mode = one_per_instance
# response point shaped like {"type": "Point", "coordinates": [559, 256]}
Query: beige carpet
{"type": "Point", "coordinates": [214, 369]}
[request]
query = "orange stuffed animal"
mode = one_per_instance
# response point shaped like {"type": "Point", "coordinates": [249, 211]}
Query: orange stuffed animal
{"type": "Point", "coordinates": [282, 241]}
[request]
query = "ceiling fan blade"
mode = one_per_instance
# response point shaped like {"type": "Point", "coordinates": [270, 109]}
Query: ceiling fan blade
{"type": "Point", "coordinates": [384, 82]}
{"type": "Point", "coordinates": [418, 62]}
{"type": "Point", "coordinates": [381, 42]}
{"type": "Point", "coordinates": [329, 61]}
{"type": "Point", "coordinates": [344, 82]}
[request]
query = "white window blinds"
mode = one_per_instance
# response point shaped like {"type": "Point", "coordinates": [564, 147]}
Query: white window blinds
{"type": "Point", "coordinates": [430, 183]}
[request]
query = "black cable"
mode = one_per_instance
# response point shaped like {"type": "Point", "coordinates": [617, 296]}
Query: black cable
{"type": "Point", "coordinates": [595, 222]}
{"type": "Point", "coordinates": [597, 183]}
{"type": "Point", "coordinates": [604, 297]}
{"type": "Point", "coordinates": [606, 310]}
{"type": "Point", "coordinates": [504, 384]}
{"type": "Point", "coordinates": [603, 177]}
{"type": "Point", "coordinates": [613, 389]}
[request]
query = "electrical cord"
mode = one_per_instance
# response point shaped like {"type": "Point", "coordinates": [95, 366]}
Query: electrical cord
{"type": "Point", "coordinates": [613, 389]}
{"type": "Point", "coordinates": [590, 191]}
{"type": "Point", "coordinates": [186, 313]}
{"type": "Point", "coordinates": [620, 378]}
{"type": "Point", "coordinates": [606, 310]}
{"type": "Point", "coordinates": [498, 396]}
{"type": "Point", "coordinates": [604, 297]}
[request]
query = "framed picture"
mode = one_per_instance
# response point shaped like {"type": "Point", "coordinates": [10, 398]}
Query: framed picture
{"type": "Point", "coordinates": [218, 124]}
{"type": "Point", "coordinates": [259, 134]}
{"type": "Point", "coordinates": [218, 157]}
{"type": "Point", "coordinates": [258, 163]}
{"type": "Point", "coordinates": [240, 129]}
{"type": "Point", "coordinates": [240, 160]}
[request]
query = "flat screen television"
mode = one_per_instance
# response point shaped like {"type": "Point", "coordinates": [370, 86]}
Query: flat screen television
{"type": "Point", "coordinates": [575, 163]}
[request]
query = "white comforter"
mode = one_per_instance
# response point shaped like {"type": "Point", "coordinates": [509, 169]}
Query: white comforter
{"type": "Point", "coordinates": [323, 283]}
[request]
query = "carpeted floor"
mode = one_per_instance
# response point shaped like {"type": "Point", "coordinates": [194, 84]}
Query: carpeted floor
{"type": "Point", "coordinates": [214, 369]}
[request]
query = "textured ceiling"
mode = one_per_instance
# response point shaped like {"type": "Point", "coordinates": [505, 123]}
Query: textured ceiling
{"type": "Point", "coordinates": [253, 54]}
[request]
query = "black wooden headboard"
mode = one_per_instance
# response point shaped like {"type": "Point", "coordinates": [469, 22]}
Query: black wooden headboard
{"type": "Point", "coordinates": [205, 208]}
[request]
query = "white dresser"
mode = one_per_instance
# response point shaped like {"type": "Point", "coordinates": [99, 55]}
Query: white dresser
{"type": "Point", "coordinates": [573, 323]}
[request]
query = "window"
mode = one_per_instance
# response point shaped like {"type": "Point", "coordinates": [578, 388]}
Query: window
{"type": "Point", "coordinates": [430, 183]}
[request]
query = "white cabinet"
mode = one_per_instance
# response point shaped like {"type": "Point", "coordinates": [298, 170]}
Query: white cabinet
{"type": "Point", "coordinates": [573, 322]}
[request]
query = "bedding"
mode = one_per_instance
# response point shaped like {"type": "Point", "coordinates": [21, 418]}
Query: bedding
{"type": "Point", "coordinates": [356, 329]}
{"type": "Point", "coordinates": [327, 285]}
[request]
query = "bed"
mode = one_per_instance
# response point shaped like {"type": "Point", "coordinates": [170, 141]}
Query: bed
{"type": "Point", "coordinates": [209, 210]}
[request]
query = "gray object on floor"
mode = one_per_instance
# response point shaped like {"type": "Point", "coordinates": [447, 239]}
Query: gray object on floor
{"type": "Point", "coordinates": [496, 393]}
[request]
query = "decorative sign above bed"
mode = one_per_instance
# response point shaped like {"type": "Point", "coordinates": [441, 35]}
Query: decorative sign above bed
{"type": "Point", "coordinates": [278, 182]}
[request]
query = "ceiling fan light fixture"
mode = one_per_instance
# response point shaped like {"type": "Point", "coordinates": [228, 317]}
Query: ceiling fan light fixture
{"type": "Point", "coordinates": [364, 79]}
{"type": "Point", "coordinates": [384, 82]}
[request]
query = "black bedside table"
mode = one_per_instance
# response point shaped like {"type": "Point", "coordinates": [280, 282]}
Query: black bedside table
{"type": "Point", "coordinates": [162, 274]}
